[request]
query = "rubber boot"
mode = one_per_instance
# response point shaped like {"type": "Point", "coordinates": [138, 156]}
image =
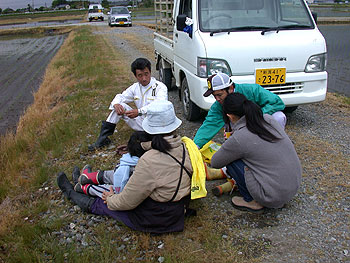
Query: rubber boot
{"type": "Point", "coordinates": [75, 175]}
{"type": "Point", "coordinates": [89, 177]}
{"type": "Point", "coordinates": [107, 129]}
{"type": "Point", "coordinates": [214, 174]}
{"type": "Point", "coordinates": [224, 188]}
{"type": "Point", "coordinates": [83, 201]}
{"type": "Point", "coordinates": [84, 189]}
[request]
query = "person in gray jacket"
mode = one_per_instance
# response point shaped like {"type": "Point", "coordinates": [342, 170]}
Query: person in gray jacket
{"type": "Point", "coordinates": [259, 156]}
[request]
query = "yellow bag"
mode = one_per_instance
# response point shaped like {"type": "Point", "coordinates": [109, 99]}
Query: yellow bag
{"type": "Point", "coordinates": [208, 150]}
{"type": "Point", "coordinates": [198, 177]}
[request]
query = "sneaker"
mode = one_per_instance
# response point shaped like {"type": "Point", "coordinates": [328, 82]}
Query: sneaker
{"type": "Point", "coordinates": [252, 206]}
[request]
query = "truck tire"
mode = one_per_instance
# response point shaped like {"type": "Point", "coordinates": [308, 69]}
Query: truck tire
{"type": "Point", "coordinates": [190, 110]}
{"type": "Point", "coordinates": [165, 75]}
{"type": "Point", "coordinates": [290, 109]}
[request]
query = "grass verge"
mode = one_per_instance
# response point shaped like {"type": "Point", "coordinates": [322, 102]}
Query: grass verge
{"type": "Point", "coordinates": [53, 136]}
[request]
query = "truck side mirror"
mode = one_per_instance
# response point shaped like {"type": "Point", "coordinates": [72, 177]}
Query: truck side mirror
{"type": "Point", "coordinates": [180, 22]}
{"type": "Point", "coordinates": [314, 15]}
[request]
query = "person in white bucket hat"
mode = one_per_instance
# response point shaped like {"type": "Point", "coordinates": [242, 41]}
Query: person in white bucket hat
{"type": "Point", "coordinates": [161, 118]}
{"type": "Point", "coordinates": [158, 193]}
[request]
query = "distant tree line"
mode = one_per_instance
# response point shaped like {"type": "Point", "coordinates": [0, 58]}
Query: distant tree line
{"type": "Point", "coordinates": [57, 4]}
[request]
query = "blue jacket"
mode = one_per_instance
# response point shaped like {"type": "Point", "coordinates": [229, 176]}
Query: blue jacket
{"type": "Point", "coordinates": [122, 173]}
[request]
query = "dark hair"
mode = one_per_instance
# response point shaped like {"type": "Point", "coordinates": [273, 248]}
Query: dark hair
{"type": "Point", "coordinates": [141, 64]}
{"type": "Point", "coordinates": [134, 143]}
{"type": "Point", "coordinates": [237, 104]}
{"type": "Point", "coordinates": [160, 144]}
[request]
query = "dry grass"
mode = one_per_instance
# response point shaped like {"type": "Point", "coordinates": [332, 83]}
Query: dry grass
{"type": "Point", "coordinates": [53, 135]}
{"type": "Point", "coordinates": [71, 99]}
{"type": "Point", "coordinates": [24, 20]}
{"type": "Point", "coordinates": [35, 31]}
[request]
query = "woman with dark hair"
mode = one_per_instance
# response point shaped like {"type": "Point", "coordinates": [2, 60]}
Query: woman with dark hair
{"type": "Point", "coordinates": [155, 197]}
{"type": "Point", "coordinates": [259, 156]}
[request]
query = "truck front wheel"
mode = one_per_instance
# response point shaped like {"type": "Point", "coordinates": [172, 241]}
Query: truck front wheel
{"type": "Point", "coordinates": [191, 111]}
{"type": "Point", "coordinates": [290, 109]}
{"type": "Point", "coordinates": [165, 75]}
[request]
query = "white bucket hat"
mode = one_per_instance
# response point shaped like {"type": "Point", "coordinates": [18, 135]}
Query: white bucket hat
{"type": "Point", "coordinates": [217, 82]}
{"type": "Point", "coordinates": [161, 118]}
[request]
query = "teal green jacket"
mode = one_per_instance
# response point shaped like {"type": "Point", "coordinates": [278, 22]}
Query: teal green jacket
{"type": "Point", "coordinates": [268, 101]}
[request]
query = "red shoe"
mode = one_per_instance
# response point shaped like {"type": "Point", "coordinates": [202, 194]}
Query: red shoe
{"type": "Point", "coordinates": [84, 189]}
{"type": "Point", "coordinates": [89, 177]}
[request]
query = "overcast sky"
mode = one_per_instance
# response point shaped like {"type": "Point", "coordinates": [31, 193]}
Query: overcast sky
{"type": "Point", "coordinates": [16, 4]}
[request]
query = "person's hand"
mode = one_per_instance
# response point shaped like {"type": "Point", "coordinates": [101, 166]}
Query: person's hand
{"type": "Point", "coordinates": [132, 113]}
{"type": "Point", "coordinates": [106, 194]}
{"type": "Point", "coordinates": [119, 109]}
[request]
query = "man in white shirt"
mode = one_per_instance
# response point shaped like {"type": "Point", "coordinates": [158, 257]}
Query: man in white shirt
{"type": "Point", "coordinates": [146, 90]}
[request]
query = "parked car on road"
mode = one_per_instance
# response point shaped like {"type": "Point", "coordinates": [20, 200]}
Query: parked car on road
{"type": "Point", "coordinates": [95, 12]}
{"type": "Point", "coordinates": [119, 15]}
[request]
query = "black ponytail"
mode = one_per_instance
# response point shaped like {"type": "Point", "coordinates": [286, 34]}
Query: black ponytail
{"type": "Point", "coordinates": [160, 144]}
{"type": "Point", "coordinates": [237, 104]}
{"type": "Point", "coordinates": [134, 143]}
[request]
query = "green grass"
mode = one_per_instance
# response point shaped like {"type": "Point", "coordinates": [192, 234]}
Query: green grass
{"type": "Point", "coordinates": [41, 15]}
{"type": "Point", "coordinates": [78, 86]}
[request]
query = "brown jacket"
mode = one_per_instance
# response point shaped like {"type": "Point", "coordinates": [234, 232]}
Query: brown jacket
{"type": "Point", "coordinates": [156, 176]}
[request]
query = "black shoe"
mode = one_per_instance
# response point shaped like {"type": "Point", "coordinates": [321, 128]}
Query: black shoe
{"type": "Point", "coordinates": [64, 184]}
{"type": "Point", "coordinates": [107, 129]}
{"type": "Point", "coordinates": [75, 175]}
{"type": "Point", "coordinates": [83, 201]}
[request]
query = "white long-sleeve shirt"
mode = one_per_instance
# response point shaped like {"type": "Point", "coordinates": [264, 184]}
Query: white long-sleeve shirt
{"type": "Point", "coordinates": [142, 96]}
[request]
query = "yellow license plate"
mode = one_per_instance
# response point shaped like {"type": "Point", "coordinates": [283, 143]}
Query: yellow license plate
{"type": "Point", "coordinates": [271, 76]}
{"type": "Point", "coordinates": [122, 22]}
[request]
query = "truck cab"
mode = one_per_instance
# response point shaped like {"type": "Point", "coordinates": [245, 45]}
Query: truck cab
{"type": "Point", "coordinates": [272, 43]}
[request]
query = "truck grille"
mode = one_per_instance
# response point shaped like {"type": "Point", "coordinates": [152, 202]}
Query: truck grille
{"type": "Point", "coordinates": [286, 88]}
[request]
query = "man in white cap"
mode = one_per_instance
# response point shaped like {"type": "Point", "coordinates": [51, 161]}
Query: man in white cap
{"type": "Point", "coordinates": [220, 85]}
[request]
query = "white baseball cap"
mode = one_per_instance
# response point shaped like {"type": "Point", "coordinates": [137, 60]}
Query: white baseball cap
{"type": "Point", "coordinates": [217, 82]}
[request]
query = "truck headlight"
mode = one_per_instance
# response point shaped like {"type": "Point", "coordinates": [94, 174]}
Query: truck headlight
{"type": "Point", "coordinates": [316, 63]}
{"type": "Point", "coordinates": [207, 67]}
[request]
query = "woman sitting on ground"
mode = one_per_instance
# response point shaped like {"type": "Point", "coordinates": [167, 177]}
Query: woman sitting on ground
{"type": "Point", "coordinates": [155, 196]}
{"type": "Point", "coordinates": [259, 156]}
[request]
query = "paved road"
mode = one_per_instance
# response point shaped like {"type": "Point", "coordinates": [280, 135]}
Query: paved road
{"type": "Point", "coordinates": [338, 39]}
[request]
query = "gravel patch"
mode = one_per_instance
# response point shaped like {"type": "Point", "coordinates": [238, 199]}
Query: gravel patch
{"type": "Point", "coordinates": [313, 227]}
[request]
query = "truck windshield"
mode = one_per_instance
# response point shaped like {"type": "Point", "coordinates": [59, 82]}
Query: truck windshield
{"type": "Point", "coordinates": [253, 15]}
{"type": "Point", "coordinates": [95, 10]}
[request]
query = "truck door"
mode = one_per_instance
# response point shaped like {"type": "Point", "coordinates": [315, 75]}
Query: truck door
{"type": "Point", "coordinates": [183, 44]}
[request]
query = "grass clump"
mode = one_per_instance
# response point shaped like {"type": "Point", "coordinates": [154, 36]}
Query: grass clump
{"type": "Point", "coordinates": [78, 80]}
{"type": "Point", "coordinates": [52, 136]}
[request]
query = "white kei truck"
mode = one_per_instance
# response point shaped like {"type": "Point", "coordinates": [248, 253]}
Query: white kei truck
{"type": "Point", "coordinates": [274, 43]}
{"type": "Point", "coordinates": [95, 12]}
